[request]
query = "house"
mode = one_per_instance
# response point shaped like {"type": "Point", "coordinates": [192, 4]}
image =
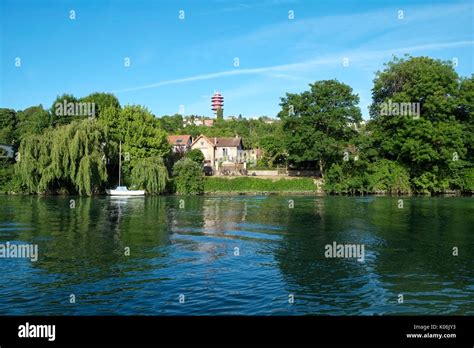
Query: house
{"type": "Point", "coordinates": [180, 143]}
{"type": "Point", "coordinates": [219, 150]}
{"type": "Point", "coordinates": [251, 155]}
{"type": "Point", "coordinates": [197, 121]}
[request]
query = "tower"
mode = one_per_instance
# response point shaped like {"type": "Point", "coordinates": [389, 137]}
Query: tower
{"type": "Point", "coordinates": [217, 103]}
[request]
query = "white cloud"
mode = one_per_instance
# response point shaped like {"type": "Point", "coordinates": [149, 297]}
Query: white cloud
{"type": "Point", "coordinates": [333, 60]}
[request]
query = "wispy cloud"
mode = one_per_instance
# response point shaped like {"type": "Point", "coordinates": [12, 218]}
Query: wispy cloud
{"type": "Point", "coordinates": [333, 60]}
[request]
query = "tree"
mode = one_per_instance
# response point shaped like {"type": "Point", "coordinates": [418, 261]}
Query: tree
{"type": "Point", "coordinates": [101, 101]}
{"type": "Point", "coordinates": [316, 123]}
{"type": "Point", "coordinates": [8, 123]}
{"type": "Point", "coordinates": [433, 143]}
{"type": "Point", "coordinates": [195, 155]}
{"type": "Point", "coordinates": [61, 111]}
{"type": "Point", "coordinates": [33, 120]}
{"type": "Point", "coordinates": [219, 115]}
{"type": "Point", "coordinates": [388, 177]}
{"type": "Point", "coordinates": [273, 145]}
{"type": "Point", "coordinates": [140, 133]}
{"type": "Point", "coordinates": [188, 177]}
{"type": "Point", "coordinates": [171, 124]}
{"type": "Point", "coordinates": [68, 158]}
{"type": "Point", "coordinates": [150, 174]}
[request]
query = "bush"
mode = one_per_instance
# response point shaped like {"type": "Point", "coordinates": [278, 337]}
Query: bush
{"type": "Point", "coordinates": [429, 183]}
{"type": "Point", "coordinates": [248, 184]}
{"type": "Point", "coordinates": [195, 155]}
{"type": "Point", "coordinates": [387, 176]}
{"type": "Point", "coordinates": [347, 178]}
{"type": "Point", "coordinates": [468, 182]}
{"type": "Point", "coordinates": [188, 177]}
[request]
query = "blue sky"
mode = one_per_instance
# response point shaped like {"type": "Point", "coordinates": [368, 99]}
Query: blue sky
{"type": "Point", "coordinates": [177, 62]}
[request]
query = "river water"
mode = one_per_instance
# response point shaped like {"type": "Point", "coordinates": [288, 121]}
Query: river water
{"type": "Point", "coordinates": [237, 255]}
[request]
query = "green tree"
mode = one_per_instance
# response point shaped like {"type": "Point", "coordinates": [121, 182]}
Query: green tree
{"type": "Point", "coordinates": [101, 101]}
{"type": "Point", "coordinates": [69, 158]}
{"type": "Point", "coordinates": [219, 115]}
{"type": "Point", "coordinates": [140, 133]}
{"type": "Point", "coordinates": [33, 120]}
{"type": "Point", "coordinates": [388, 177]}
{"type": "Point", "coordinates": [150, 174]}
{"type": "Point", "coordinates": [433, 144]}
{"type": "Point", "coordinates": [8, 123]}
{"type": "Point", "coordinates": [317, 123]}
{"type": "Point", "coordinates": [188, 177]}
{"type": "Point", "coordinates": [195, 155]}
{"type": "Point", "coordinates": [59, 110]}
{"type": "Point", "coordinates": [171, 124]}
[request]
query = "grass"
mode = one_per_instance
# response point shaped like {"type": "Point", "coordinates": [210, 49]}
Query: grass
{"type": "Point", "coordinates": [248, 184]}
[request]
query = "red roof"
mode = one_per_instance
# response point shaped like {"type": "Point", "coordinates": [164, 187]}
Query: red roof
{"type": "Point", "coordinates": [179, 139]}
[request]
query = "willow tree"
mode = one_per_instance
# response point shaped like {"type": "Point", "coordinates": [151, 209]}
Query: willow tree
{"type": "Point", "coordinates": [150, 174]}
{"type": "Point", "coordinates": [68, 158]}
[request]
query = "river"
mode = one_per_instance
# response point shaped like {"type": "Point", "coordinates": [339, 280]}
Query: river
{"type": "Point", "coordinates": [238, 255]}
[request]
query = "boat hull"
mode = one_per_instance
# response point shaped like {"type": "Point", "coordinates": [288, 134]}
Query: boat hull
{"type": "Point", "coordinates": [125, 193]}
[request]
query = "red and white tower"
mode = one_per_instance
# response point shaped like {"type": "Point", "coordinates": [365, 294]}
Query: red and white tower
{"type": "Point", "coordinates": [217, 102]}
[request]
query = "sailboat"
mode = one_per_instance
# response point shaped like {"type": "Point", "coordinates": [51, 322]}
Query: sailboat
{"type": "Point", "coordinates": [123, 190]}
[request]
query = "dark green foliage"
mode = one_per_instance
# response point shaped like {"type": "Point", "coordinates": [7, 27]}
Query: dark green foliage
{"type": "Point", "coordinates": [8, 123]}
{"type": "Point", "coordinates": [171, 124]}
{"type": "Point", "coordinates": [188, 177]}
{"type": "Point", "coordinates": [436, 147]}
{"type": "Point", "coordinates": [316, 123]}
{"type": "Point", "coordinates": [388, 177]}
{"type": "Point", "coordinates": [101, 101]}
{"type": "Point", "coordinates": [33, 120]}
{"type": "Point", "coordinates": [195, 155]}
{"type": "Point", "coordinates": [219, 115]}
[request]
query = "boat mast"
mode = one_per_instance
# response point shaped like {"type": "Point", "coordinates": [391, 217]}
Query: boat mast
{"type": "Point", "coordinates": [120, 159]}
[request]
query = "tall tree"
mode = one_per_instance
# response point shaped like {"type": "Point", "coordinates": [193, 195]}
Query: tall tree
{"type": "Point", "coordinates": [430, 142]}
{"type": "Point", "coordinates": [33, 120]}
{"type": "Point", "coordinates": [316, 123]}
{"type": "Point", "coordinates": [8, 123]}
{"type": "Point", "coordinates": [140, 133]}
{"type": "Point", "coordinates": [101, 101]}
{"type": "Point", "coordinates": [68, 158]}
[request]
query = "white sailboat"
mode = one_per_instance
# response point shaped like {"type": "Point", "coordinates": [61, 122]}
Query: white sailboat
{"type": "Point", "coordinates": [123, 190]}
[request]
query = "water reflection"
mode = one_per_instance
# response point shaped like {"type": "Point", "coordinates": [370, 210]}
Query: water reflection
{"type": "Point", "coordinates": [237, 255]}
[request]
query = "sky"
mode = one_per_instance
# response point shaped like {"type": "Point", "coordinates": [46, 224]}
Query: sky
{"type": "Point", "coordinates": [253, 52]}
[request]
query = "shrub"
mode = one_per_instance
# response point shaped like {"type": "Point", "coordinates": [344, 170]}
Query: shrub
{"type": "Point", "coordinates": [389, 177]}
{"type": "Point", "coordinates": [188, 177]}
{"type": "Point", "coordinates": [468, 176]}
{"type": "Point", "coordinates": [428, 183]}
{"type": "Point", "coordinates": [248, 184]}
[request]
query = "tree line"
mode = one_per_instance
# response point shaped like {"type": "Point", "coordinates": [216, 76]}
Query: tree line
{"type": "Point", "coordinates": [419, 138]}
